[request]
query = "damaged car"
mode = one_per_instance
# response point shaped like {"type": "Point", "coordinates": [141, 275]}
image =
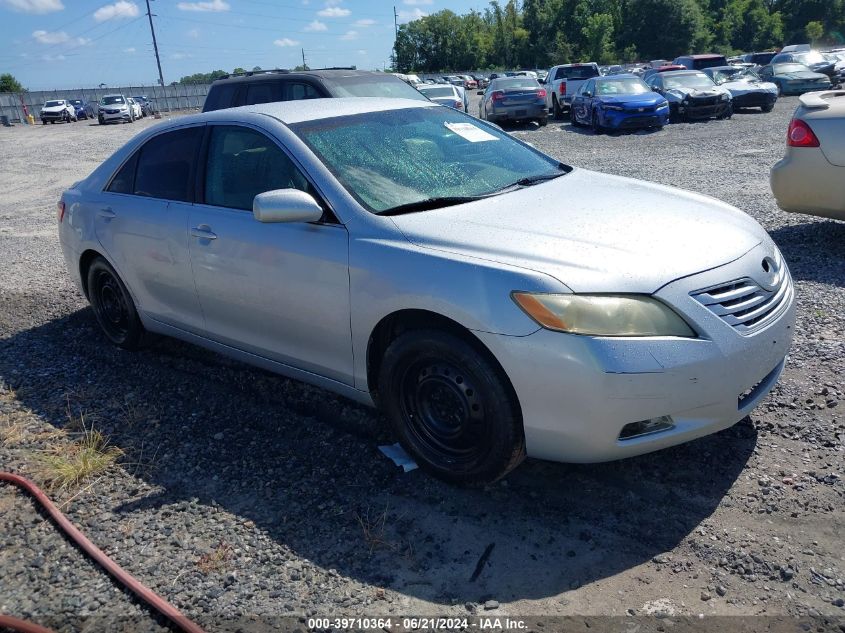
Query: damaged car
{"type": "Point", "coordinates": [692, 95]}
{"type": "Point", "coordinates": [746, 88]}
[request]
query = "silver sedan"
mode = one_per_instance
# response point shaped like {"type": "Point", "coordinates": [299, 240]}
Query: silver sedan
{"type": "Point", "coordinates": [494, 302]}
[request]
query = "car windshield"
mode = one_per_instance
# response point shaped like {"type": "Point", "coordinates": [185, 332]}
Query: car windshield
{"type": "Point", "coordinates": [438, 91]}
{"type": "Point", "coordinates": [365, 86]}
{"type": "Point", "coordinates": [395, 158]}
{"type": "Point", "coordinates": [687, 81]}
{"type": "Point", "coordinates": [53, 104]}
{"type": "Point", "coordinates": [813, 57]}
{"type": "Point", "coordinates": [629, 86]}
{"type": "Point", "coordinates": [515, 83]}
{"type": "Point", "coordinates": [721, 76]}
{"type": "Point", "coordinates": [780, 69]}
{"type": "Point", "coordinates": [111, 100]}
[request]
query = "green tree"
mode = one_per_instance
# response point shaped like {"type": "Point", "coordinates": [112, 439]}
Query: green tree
{"type": "Point", "coordinates": [814, 31]}
{"type": "Point", "coordinates": [598, 38]}
{"type": "Point", "coordinates": [9, 84]}
{"type": "Point", "coordinates": [664, 28]}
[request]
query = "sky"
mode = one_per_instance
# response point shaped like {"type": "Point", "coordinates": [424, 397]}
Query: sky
{"type": "Point", "coordinates": [57, 44]}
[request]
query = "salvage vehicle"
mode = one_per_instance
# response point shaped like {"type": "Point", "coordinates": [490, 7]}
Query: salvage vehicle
{"type": "Point", "coordinates": [512, 99]}
{"type": "Point", "coordinates": [445, 94]}
{"type": "Point", "coordinates": [563, 82]}
{"type": "Point", "coordinates": [746, 88]}
{"type": "Point", "coordinates": [794, 79]}
{"type": "Point", "coordinates": [811, 177]}
{"type": "Point", "coordinates": [57, 110]}
{"type": "Point", "coordinates": [692, 95]}
{"type": "Point", "coordinates": [813, 60]}
{"type": "Point", "coordinates": [700, 62]}
{"type": "Point", "coordinates": [618, 102]}
{"type": "Point", "coordinates": [115, 108]}
{"type": "Point", "coordinates": [491, 300]}
{"type": "Point", "coordinates": [83, 110]}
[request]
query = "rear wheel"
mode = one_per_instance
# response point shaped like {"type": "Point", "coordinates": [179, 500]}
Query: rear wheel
{"type": "Point", "coordinates": [113, 306]}
{"type": "Point", "coordinates": [450, 407]}
{"type": "Point", "coordinates": [543, 122]}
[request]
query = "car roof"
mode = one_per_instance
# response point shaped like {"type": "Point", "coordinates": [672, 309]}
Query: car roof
{"type": "Point", "coordinates": [300, 110]}
{"type": "Point", "coordinates": [702, 56]}
{"type": "Point", "coordinates": [715, 68]}
{"type": "Point", "coordinates": [676, 73]}
{"type": "Point", "coordinates": [276, 74]}
{"type": "Point", "coordinates": [617, 76]}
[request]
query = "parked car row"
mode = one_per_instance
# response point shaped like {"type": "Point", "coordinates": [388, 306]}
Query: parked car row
{"type": "Point", "coordinates": [108, 109]}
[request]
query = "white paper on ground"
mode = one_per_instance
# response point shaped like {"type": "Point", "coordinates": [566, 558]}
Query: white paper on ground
{"type": "Point", "coordinates": [470, 132]}
{"type": "Point", "coordinates": [399, 457]}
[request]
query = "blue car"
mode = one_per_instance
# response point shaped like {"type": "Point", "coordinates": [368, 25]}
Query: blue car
{"type": "Point", "coordinates": [618, 102]}
{"type": "Point", "coordinates": [83, 110]}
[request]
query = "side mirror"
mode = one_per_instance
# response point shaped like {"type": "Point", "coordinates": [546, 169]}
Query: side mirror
{"type": "Point", "coordinates": [541, 81]}
{"type": "Point", "coordinates": [286, 205]}
{"type": "Point", "coordinates": [480, 92]}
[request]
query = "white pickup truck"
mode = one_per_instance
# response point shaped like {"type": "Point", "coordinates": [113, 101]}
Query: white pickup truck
{"type": "Point", "coordinates": [563, 81]}
{"type": "Point", "coordinates": [57, 110]}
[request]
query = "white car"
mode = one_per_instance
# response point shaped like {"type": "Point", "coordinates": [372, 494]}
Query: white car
{"type": "Point", "coordinates": [113, 108]}
{"type": "Point", "coordinates": [563, 82]}
{"type": "Point", "coordinates": [58, 110]}
{"type": "Point", "coordinates": [811, 177]}
{"type": "Point", "coordinates": [137, 112]}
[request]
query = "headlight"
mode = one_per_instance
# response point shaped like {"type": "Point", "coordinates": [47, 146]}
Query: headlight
{"type": "Point", "coordinates": [603, 315]}
{"type": "Point", "coordinates": [725, 97]}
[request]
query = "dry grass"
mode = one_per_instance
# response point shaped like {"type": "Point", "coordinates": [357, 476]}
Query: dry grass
{"type": "Point", "coordinates": [374, 527]}
{"type": "Point", "coordinates": [68, 464]}
{"type": "Point", "coordinates": [217, 559]}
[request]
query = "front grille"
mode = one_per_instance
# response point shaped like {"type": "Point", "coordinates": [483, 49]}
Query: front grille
{"type": "Point", "coordinates": [703, 101]}
{"type": "Point", "coordinates": [745, 305]}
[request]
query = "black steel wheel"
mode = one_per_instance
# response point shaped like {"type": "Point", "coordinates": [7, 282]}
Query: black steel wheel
{"type": "Point", "coordinates": [557, 111]}
{"type": "Point", "coordinates": [113, 306]}
{"type": "Point", "coordinates": [451, 407]}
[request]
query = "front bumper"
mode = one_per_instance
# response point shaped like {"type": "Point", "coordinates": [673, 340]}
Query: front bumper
{"type": "Point", "coordinates": [804, 181]}
{"type": "Point", "coordinates": [577, 392]}
{"type": "Point", "coordinates": [801, 88]}
{"type": "Point", "coordinates": [754, 99]}
{"type": "Point", "coordinates": [691, 110]}
{"type": "Point", "coordinates": [631, 119]}
{"type": "Point", "coordinates": [120, 115]}
{"type": "Point", "coordinates": [53, 116]}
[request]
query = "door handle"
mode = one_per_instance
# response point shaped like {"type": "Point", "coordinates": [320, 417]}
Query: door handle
{"type": "Point", "coordinates": [107, 213]}
{"type": "Point", "coordinates": [203, 231]}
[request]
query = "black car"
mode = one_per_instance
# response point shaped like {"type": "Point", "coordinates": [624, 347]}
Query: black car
{"type": "Point", "coordinates": [813, 60]}
{"type": "Point", "coordinates": [759, 59]}
{"type": "Point", "coordinates": [264, 86]}
{"type": "Point", "coordinates": [146, 105]}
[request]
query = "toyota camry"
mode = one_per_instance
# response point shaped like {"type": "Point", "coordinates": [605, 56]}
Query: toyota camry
{"type": "Point", "coordinates": [491, 300]}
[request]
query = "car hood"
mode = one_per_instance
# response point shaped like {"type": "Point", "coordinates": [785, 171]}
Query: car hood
{"type": "Point", "coordinates": [592, 232]}
{"type": "Point", "coordinates": [678, 94]}
{"type": "Point", "coordinates": [745, 86]}
{"type": "Point", "coordinates": [53, 108]}
{"type": "Point", "coordinates": [645, 99]}
{"type": "Point", "coordinates": [801, 74]}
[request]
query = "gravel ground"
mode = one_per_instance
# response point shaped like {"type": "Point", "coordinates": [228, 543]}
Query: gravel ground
{"type": "Point", "coordinates": [246, 496]}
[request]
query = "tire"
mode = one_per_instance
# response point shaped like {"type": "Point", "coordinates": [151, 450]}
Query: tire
{"type": "Point", "coordinates": [557, 111]}
{"type": "Point", "coordinates": [113, 306]}
{"type": "Point", "coordinates": [43, 121]}
{"type": "Point", "coordinates": [728, 113]}
{"type": "Point", "coordinates": [767, 108]}
{"type": "Point", "coordinates": [543, 122]}
{"type": "Point", "coordinates": [451, 408]}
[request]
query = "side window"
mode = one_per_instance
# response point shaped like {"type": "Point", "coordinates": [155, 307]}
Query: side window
{"type": "Point", "coordinates": [243, 163]}
{"type": "Point", "coordinates": [165, 165]}
{"type": "Point", "coordinates": [124, 179]}
{"type": "Point", "coordinates": [262, 92]}
{"type": "Point", "coordinates": [296, 91]}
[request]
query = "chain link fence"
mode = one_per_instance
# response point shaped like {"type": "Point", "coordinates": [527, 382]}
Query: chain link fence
{"type": "Point", "coordinates": [163, 99]}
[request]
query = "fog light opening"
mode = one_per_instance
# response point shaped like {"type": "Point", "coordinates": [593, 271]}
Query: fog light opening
{"type": "Point", "coordinates": [646, 427]}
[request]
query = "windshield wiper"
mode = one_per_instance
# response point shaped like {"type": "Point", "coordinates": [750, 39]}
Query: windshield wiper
{"type": "Point", "coordinates": [429, 203]}
{"type": "Point", "coordinates": [533, 180]}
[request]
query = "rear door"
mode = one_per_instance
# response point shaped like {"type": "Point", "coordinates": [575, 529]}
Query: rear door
{"type": "Point", "coordinates": [141, 222]}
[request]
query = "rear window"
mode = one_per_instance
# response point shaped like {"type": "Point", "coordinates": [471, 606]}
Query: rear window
{"type": "Point", "coordinates": [505, 84]}
{"type": "Point", "coordinates": [577, 72]}
{"type": "Point", "coordinates": [53, 104]}
{"type": "Point", "coordinates": [368, 86]}
{"type": "Point", "coordinates": [434, 93]}
{"type": "Point", "coordinates": [220, 96]}
{"type": "Point", "coordinates": [709, 62]}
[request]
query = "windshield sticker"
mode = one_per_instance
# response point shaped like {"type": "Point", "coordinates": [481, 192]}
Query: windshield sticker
{"type": "Point", "coordinates": [470, 132]}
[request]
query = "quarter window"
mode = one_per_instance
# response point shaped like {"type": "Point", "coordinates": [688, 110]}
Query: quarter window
{"type": "Point", "coordinates": [243, 163]}
{"type": "Point", "coordinates": [165, 165]}
{"type": "Point", "coordinates": [298, 91]}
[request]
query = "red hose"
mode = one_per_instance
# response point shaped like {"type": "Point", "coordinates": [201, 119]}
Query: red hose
{"type": "Point", "coordinates": [146, 594]}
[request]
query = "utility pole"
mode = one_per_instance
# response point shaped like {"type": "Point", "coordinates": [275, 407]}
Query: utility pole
{"type": "Point", "coordinates": [395, 38]}
{"type": "Point", "coordinates": [304, 65]}
{"type": "Point", "coordinates": [155, 45]}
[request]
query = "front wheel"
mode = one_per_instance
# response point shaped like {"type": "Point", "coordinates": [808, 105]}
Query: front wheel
{"type": "Point", "coordinates": [113, 306]}
{"type": "Point", "coordinates": [451, 407]}
{"type": "Point", "coordinates": [557, 112]}
{"type": "Point", "coordinates": [767, 108]}
{"type": "Point", "coordinates": [595, 123]}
